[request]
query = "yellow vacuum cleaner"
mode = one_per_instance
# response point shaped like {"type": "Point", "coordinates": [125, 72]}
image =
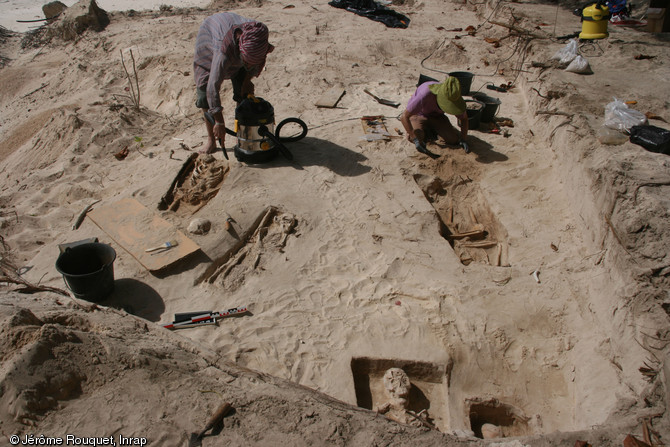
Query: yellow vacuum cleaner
{"type": "Point", "coordinates": [594, 21]}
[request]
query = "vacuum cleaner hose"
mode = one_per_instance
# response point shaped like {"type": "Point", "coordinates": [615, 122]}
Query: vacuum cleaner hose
{"type": "Point", "coordinates": [297, 137]}
{"type": "Point", "coordinates": [264, 131]}
{"type": "Point", "coordinates": [282, 123]}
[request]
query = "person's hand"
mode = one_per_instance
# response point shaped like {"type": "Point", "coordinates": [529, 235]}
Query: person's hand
{"type": "Point", "coordinates": [220, 133]}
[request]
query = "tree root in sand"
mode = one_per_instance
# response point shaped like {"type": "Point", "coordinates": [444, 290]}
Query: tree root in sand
{"type": "Point", "coordinates": [10, 276]}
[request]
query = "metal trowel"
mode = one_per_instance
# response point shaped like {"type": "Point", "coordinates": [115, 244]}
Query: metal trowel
{"type": "Point", "coordinates": [217, 417]}
{"type": "Point", "coordinates": [386, 102]}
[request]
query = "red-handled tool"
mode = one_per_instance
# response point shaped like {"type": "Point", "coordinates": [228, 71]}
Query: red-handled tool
{"type": "Point", "coordinates": [201, 318]}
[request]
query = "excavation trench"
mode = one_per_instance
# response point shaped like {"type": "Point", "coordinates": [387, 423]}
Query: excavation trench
{"type": "Point", "coordinates": [466, 220]}
{"type": "Point", "coordinates": [197, 182]}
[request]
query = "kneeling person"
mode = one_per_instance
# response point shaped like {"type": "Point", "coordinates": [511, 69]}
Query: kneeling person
{"type": "Point", "coordinates": [426, 114]}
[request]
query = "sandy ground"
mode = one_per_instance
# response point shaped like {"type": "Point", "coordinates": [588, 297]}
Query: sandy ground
{"type": "Point", "coordinates": [356, 270]}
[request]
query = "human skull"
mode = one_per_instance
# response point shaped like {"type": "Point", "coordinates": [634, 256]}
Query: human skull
{"type": "Point", "coordinates": [397, 385]}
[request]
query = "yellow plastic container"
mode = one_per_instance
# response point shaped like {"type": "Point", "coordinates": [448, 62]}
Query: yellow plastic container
{"type": "Point", "coordinates": [594, 22]}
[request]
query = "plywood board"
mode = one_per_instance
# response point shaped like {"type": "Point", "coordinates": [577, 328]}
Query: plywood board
{"type": "Point", "coordinates": [330, 98]}
{"type": "Point", "coordinates": [135, 228]}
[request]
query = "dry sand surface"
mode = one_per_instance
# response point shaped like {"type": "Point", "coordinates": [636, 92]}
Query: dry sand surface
{"type": "Point", "coordinates": [355, 269]}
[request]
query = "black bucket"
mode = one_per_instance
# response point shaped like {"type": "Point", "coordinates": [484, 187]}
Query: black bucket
{"type": "Point", "coordinates": [491, 105]}
{"type": "Point", "coordinates": [88, 270]}
{"type": "Point", "coordinates": [424, 78]}
{"type": "Point", "coordinates": [465, 79]}
{"type": "Point", "coordinates": [474, 109]}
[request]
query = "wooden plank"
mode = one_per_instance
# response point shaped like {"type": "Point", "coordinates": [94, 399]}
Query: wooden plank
{"type": "Point", "coordinates": [330, 98]}
{"type": "Point", "coordinates": [131, 225]}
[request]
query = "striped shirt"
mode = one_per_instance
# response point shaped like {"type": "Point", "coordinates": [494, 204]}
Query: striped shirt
{"type": "Point", "coordinates": [217, 55]}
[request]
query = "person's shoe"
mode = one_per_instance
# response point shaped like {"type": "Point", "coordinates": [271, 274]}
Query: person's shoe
{"type": "Point", "coordinates": [624, 19]}
{"type": "Point", "coordinates": [619, 19]}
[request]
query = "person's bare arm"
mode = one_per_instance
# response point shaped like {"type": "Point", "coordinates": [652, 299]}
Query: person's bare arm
{"type": "Point", "coordinates": [404, 119]}
{"type": "Point", "coordinates": [464, 124]}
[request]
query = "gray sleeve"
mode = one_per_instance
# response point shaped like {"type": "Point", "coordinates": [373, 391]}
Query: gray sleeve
{"type": "Point", "coordinates": [215, 79]}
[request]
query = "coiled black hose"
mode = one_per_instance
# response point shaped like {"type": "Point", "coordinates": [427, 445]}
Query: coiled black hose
{"type": "Point", "coordinates": [298, 137]}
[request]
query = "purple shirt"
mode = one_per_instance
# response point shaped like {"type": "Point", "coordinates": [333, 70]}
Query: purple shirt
{"type": "Point", "coordinates": [217, 55]}
{"type": "Point", "coordinates": [424, 102]}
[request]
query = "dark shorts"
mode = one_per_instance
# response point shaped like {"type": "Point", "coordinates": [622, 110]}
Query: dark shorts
{"type": "Point", "coordinates": [432, 126]}
{"type": "Point", "coordinates": [237, 80]}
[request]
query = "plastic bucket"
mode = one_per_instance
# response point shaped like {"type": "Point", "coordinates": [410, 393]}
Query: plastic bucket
{"type": "Point", "coordinates": [491, 105]}
{"type": "Point", "coordinates": [465, 79]}
{"type": "Point", "coordinates": [424, 78]}
{"type": "Point", "coordinates": [88, 270]}
{"type": "Point", "coordinates": [474, 109]}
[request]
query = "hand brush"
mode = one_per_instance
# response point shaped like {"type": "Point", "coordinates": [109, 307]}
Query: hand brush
{"type": "Point", "coordinates": [163, 246]}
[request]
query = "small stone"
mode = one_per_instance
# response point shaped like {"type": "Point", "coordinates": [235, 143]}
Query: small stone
{"type": "Point", "coordinates": [53, 9]}
{"type": "Point", "coordinates": [199, 226]}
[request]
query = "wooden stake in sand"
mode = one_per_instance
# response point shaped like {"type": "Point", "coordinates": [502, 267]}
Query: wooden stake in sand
{"type": "Point", "coordinates": [82, 215]}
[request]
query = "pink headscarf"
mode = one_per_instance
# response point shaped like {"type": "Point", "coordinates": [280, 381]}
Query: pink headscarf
{"type": "Point", "coordinates": [254, 43]}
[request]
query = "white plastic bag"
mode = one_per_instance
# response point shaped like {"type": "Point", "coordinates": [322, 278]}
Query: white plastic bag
{"type": "Point", "coordinates": [579, 65]}
{"type": "Point", "coordinates": [620, 117]}
{"type": "Point", "coordinates": [566, 54]}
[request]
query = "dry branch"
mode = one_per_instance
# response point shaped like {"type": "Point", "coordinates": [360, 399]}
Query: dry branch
{"type": "Point", "coordinates": [637, 188]}
{"type": "Point", "coordinates": [518, 30]}
{"type": "Point", "coordinates": [27, 287]}
{"type": "Point", "coordinates": [135, 96]}
{"type": "Point", "coordinates": [10, 276]}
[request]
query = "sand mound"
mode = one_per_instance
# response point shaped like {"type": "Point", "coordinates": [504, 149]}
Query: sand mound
{"type": "Point", "coordinates": [72, 363]}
